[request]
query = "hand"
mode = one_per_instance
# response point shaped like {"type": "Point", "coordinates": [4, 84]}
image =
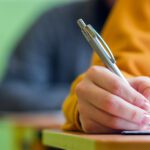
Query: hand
{"type": "Point", "coordinates": [107, 104]}
{"type": "Point", "coordinates": [142, 85]}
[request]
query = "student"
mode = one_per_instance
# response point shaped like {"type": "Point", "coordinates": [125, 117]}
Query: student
{"type": "Point", "coordinates": [99, 101]}
{"type": "Point", "coordinates": [49, 57]}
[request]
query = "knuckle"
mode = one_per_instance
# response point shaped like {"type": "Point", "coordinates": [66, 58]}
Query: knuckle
{"type": "Point", "coordinates": [93, 70]}
{"type": "Point", "coordinates": [80, 88]}
{"type": "Point", "coordinates": [136, 101]}
{"type": "Point", "coordinates": [145, 86]}
{"type": "Point", "coordinates": [116, 87]}
{"type": "Point", "coordinates": [110, 103]}
{"type": "Point", "coordinates": [134, 115]}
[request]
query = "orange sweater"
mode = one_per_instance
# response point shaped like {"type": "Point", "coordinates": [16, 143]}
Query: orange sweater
{"type": "Point", "coordinates": [127, 32]}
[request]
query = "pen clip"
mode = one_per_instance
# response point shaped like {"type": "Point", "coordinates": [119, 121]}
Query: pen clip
{"type": "Point", "coordinates": [93, 33]}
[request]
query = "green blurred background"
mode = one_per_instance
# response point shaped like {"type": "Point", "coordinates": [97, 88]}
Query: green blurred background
{"type": "Point", "coordinates": [16, 16]}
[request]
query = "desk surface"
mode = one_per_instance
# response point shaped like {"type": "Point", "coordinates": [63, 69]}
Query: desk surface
{"type": "Point", "coordinates": [79, 141]}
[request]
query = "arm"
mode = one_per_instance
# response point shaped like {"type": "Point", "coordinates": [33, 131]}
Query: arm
{"type": "Point", "coordinates": [128, 37]}
{"type": "Point", "coordinates": [28, 84]}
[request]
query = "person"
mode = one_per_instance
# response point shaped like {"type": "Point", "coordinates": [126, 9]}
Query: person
{"type": "Point", "coordinates": [49, 57]}
{"type": "Point", "coordinates": [99, 100]}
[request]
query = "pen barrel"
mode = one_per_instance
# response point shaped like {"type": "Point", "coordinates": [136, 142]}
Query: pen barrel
{"type": "Point", "coordinates": [117, 72]}
{"type": "Point", "coordinates": [94, 39]}
{"type": "Point", "coordinates": [95, 44]}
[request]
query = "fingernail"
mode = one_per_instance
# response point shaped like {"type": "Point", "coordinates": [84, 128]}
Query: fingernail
{"type": "Point", "coordinates": [145, 120]}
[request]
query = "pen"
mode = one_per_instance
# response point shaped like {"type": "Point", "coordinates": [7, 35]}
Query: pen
{"type": "Point", "coordinates": [101, 48]}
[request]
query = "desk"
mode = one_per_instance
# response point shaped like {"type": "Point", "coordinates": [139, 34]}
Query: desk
{"type": "Point", "coordinates": [79, 141]}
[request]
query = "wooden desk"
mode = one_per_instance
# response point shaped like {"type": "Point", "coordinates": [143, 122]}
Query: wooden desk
{"type": "Point", "coordinates": [79, 141]}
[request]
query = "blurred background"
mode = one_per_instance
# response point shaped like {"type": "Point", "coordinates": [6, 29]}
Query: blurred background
{"type": "Point", "coordinates": [16, 17]}
{"type": "Point", "coordinates": [19, 131]}
{"type": "Point", "coordinates": [42, 51]}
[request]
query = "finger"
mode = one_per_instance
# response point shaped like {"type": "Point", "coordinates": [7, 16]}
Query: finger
{"type": "Point", "coordinates": [90, 126]}
{"type": "Point", "coordinates": [142, 85]}
{"type": "Point", "coordinates": [147, 127]}
{"type": "Point", "coordinates": [112, 83]}
{"type": "Point", "coordinates": [146, 93]}
{"type": "Point", "coordinates": [106, 120]}
{"type": "Point", "coordinates": [111, 104]}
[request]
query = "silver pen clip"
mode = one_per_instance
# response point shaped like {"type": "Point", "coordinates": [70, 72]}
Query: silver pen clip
{"type": "Point", "coordinates": [90, 32]}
